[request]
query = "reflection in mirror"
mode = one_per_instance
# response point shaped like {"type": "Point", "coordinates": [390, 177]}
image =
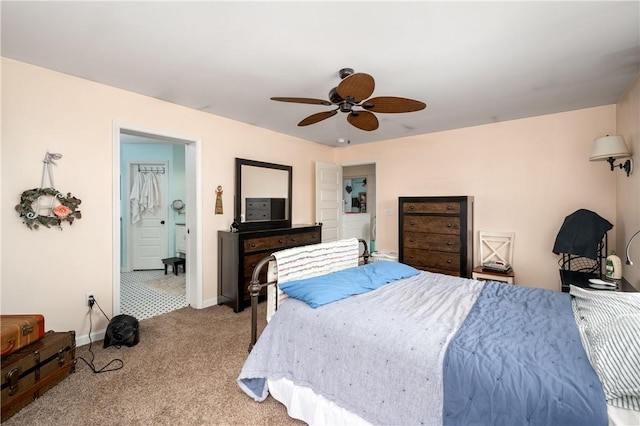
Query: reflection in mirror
{"type": "Point", "coordinates": [263, 195]}
{"type": "Point", "coordinates": [355, 195]}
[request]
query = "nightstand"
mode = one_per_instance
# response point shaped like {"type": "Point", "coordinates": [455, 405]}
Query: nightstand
{"type": "Point", "coordinates": [581, 279]}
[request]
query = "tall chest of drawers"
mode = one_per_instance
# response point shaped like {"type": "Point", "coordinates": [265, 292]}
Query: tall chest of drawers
{"type": "Point", "coordinates": [240, 252]}
{"type": "Point", "coordinates": [436, 234]}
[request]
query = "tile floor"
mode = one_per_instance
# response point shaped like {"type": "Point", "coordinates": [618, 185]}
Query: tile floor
{"type": "Point", "coordinates": [142, 302]}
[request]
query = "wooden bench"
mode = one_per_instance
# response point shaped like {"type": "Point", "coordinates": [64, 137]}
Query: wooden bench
{"type": "Point", "coordinates": [174, 262]}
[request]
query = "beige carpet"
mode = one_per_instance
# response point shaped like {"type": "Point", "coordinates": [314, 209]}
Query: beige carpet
{"type": "Point", "coordinates": [173, 285]}
{"type": "Point", "coordinates": [183, 372]}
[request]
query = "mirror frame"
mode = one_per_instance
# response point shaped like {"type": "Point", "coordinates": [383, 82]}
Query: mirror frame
{"type": "Point", "coordinates": [261, 224]}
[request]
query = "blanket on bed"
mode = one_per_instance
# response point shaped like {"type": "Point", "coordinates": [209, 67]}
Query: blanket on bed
{"type": "Point", "coordinates": [381, 355]}
{"type": "Point", "coordinates": [529, 369]}
{"type": "Point", "coordinates": [374, 354]}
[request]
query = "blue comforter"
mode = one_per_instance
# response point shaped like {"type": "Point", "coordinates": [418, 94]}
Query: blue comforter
{"type": "Point", "coordinates": [518, 360]}
{"type": "Point", "coordinates": [435, 349]}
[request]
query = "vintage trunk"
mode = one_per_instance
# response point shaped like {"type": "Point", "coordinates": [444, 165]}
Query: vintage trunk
{"type": "Point", "coordinates": [31, 371]}
{"type": "Point", "coordinates": [17, 331]}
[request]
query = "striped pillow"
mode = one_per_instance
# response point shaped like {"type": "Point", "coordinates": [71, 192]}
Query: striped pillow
{"type": "Point", "coordinates": [609, 324]}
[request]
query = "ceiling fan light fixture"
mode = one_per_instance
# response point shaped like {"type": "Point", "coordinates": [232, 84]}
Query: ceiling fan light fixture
{"type": "Point", "coordinates": [346, 106]}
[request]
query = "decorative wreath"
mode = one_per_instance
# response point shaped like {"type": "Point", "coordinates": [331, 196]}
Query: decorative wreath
{"type": "Point", "coordinates": [66, 211]}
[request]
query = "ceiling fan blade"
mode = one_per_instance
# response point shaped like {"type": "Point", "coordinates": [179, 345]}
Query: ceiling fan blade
{"type": "Point", "coordinates": [391, 104]}
{"type": "Point", "coordinates": [363, 120]}
{"type": "Point", "coordinates": [358, 86]}
{"type": "Point", "coordinates": [302, 100]}
{"type": "Point", "coordinates": [319, 116]}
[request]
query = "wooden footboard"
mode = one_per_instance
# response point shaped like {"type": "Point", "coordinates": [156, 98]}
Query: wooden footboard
{"type": "Point", "coordinates": [255, 287]}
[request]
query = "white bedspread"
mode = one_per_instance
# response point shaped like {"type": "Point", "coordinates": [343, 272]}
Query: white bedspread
{"type": "Point", "coordinates": [363, 377]}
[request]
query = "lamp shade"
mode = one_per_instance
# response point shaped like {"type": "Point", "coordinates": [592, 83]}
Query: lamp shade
{"type": "Point", "coordinates": [609, 147]}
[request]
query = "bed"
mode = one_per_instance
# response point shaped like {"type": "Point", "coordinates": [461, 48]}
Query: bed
{"type": "Point", "coordinates": [383, 343]}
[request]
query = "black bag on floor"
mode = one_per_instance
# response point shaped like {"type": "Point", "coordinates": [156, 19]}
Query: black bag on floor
{"type": "Point", "coordinates": [122, 330]}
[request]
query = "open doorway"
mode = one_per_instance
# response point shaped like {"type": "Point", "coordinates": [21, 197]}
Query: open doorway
{"type": "Point", "coordinates": [346, 201]}
{"type": "Point", "coordinates": [157, 211]}
{"type": "Point", "coordinates": [359, 201]}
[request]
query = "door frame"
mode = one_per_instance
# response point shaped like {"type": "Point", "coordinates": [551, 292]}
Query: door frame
{"type": "Point", "coordinates": [193, 182]}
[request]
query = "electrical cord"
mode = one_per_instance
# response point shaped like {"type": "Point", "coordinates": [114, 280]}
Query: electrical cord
{"type": "Point", "coordinates": [90, 363]}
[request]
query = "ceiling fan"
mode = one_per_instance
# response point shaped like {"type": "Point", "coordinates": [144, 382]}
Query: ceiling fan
{"type": "Point", "coordinates": [353, 91]}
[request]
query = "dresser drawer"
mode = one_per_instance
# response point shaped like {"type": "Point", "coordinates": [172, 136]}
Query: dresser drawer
{"type": "Point", "coordinates": [421, 207]}
{"type": "Point", "coordinates": [303, 239]}
{"type": "Point", "coordinates": [449, 243]}
{"type": "Point", "coordinates": [432, 224]}
{"type": "Point", "coordinates": [250, 262]}
{"type": "Point", "coordinates": [432, 259]}
{"type": "Point", "coordinates": [265, 243]}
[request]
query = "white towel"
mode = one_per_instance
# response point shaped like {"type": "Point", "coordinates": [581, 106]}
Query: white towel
{"type": "Point", "coordinates": [151, 192]}
{"type": "Point", "coordinates": [134, 197]}
{"type": "Point", "coordinates": [145, 195]}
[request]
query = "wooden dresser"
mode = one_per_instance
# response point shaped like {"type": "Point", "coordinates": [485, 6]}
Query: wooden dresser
{"type": "Point", "coordinates": [239, 252]}
{"type": "Point", "coordinates": [436, 234]}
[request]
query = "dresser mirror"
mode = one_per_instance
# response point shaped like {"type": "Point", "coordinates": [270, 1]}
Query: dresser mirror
{"type": "Point", "coordinates": [263, 195]}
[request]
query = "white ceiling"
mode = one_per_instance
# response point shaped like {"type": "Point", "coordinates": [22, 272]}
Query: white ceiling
{"type": "Point", "coordinates": [470, 62]}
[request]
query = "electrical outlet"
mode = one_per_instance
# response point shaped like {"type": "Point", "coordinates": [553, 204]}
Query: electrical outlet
{"type": "Point", "coordinates": [90, 300]}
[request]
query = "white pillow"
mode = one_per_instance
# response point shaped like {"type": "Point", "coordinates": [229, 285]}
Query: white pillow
{"type": "Point", "coordinates": [609, 324]}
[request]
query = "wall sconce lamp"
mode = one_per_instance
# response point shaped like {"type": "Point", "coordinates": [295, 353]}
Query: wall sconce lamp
{"type": "Point", "coordinates": [629, 262]}
{"type": "Point", "coordinates": [609, 148]}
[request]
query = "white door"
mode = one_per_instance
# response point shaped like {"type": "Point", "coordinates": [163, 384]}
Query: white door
{"type": "Point", "coordinates": [329, 199]}
{"type": "Point", "coordinates": [150, 233]}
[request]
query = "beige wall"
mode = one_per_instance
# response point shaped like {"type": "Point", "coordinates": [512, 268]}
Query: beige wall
{"type": "Point", "coordinates": [628, 188]}
{"type": "Point", "coordinates": [526, 176]}
{"type": "Point", "coordinates": [49, 270]}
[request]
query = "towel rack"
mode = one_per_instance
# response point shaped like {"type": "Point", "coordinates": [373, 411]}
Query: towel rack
{"type": "Point", "coordinates": [151, 169]}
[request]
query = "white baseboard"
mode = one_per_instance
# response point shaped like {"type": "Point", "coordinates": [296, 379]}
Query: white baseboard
{"type": "Point", "coordinates": [97, 336]}
{"type": "Point", "coordinates": [209, 303]}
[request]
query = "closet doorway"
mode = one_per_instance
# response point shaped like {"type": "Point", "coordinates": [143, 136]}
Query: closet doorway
{"type": "Point", "coordinates": [155, 173]}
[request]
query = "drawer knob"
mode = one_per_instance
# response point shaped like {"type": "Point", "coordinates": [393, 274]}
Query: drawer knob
{"type": "Point", "coordinates": [253, 245]}
{"type": "Point", "coordinates": [449, 243]}
{"type": "Point", "coordinates": [412, 207]}
{"type": "Point", "coordinates": [412, 240]}
{"type": "Point", "coordinates": [449, 225]}
{"type": "Point", "coordinates": [411, 257]}
{"type": "Point", "coordinates": [281, 241]}
{"type": "Point", "coordinates": [449, 207]}
{"type": "Point", "coordinates": [293, 239]}
{"type": "Point", "coordinates": [449, 261]}
{"type": "Point", "coordinates": [412, 223]}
